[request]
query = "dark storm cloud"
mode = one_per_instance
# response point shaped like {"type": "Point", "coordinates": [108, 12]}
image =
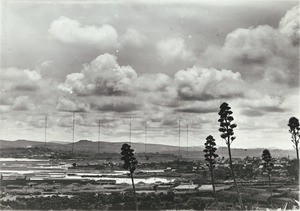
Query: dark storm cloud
{"type": "Point", "coordinates": [197, 110]}
{"type": "Point", "coordinates": [117, 104]}
{"type": "Point", "coordinates": [169, 122]}
{"type": "Point", "coordinates": [272, 109]}
{"type": "Point", "coordinates": [117, 107]}
{"type": "Point", "coordinates": [252, 113]}
{"type": "Point", "coordinates": [261, 111]}
{"type": "Point", "coordinates": [26, 87]}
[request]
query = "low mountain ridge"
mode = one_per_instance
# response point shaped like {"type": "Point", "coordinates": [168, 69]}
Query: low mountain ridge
{"type": "Point", "coordinates": [115, 147]}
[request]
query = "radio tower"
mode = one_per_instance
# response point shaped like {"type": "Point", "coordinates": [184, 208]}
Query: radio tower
{"type": "Point", "coordinates": [73, 132]}
{"type": "Point", "coordinates": [130, 129]}
{"type": "Point", "coordinates": [179, 137]}
{"type": "Point", "coordinates": [145, 136]}
{"type": "Point", "coordinates": [45, 131]}
{"type": "Point", "coordinates": [99, 130]}
{"type": "Point", "coordinates": [187, 140]}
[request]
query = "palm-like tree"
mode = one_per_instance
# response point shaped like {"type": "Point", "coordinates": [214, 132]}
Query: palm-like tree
{"type": "Point", "coordinates": [210, 157]}
{"type": "Point", "coordinates": [226, 129]}
{"type": "Point", "coordinates": [295, 132]}
{"type": "Point", "coordinates": [268, 165]}
{"type": "Point", "coordinates": [130, 163]}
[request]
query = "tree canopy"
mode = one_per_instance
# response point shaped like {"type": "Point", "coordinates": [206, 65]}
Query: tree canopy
{"type": "Point", "coordinates": [226, 125]}
{"type": "Point", "coordinates": [130, 162]}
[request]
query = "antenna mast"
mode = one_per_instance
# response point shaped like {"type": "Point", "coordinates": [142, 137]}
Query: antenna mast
{"type": "Point", "coordinates": [46, 131]}
{"type": "Point", "coordinates": [187, 140]}
{"type": "Point", "coordinates": [179, 136]}
{"type": "Point", "coordinates": [99, 130]}
{"type": "Point", "coordinates": [130, 129]}
{"type": "Point", "coordinates": [73, 132]}
{"type": "Point", "coordinates": [145, 136]}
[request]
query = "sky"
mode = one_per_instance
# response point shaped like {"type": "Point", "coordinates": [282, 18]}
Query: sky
{"type": "Point", "coordinates": [157, 62]}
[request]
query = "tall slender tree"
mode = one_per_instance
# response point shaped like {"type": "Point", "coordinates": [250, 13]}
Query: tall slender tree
{"type": "Point", "coordinates": [295, 132]}
{"type": "Point", "coordinates": [130, 163]}
{"type": "Point", "coordinates": [210, 158]}
{"type": "Point", "coordinates": [226, 129]}
{"type": "Point", "coordinates": [267, 165]}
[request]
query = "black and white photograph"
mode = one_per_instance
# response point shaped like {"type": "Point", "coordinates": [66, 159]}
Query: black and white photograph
{"type": "Point", "coordinates": [149, 105]}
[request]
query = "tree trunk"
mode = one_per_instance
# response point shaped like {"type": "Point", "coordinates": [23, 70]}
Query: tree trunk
{"type": "Point", "coordinates": [233, 176]}
{"type": "Point", "coordinates": [270, 183]}
{"type": "Point", "coordinates": [270, 189]}
{"type": "Point", "coordinates": [134, 194]}
{"type": "Point", "coordinates": [213, 184]}
{"type": "Point", "coordinates": [297, 151]}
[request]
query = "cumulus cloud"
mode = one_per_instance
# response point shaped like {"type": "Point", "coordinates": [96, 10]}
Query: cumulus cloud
{"type": "Point", "coordinates": [103, 76]}
{"type": "Point", "coordinates": [166, 99]}
{"type": "Point", "coordinates": [172, 49]}
{"type": "Point", "coordinates": [22, 103]}
{"type": "Point", "coordinates": [71, 31]}
{"type": "Point", "coordinates": [65, 104]}
{"type": "Point", "coordinates": [119, 86]}
{"type": "Point", "coordinates": [152, 82]}
{"type": "Point", "coordinates": [74, 84]}
{"type": "Point", "coordinates": [116, 104]}
{"type": "Point", "coordinates": [263, 101]}
{"type": "Point", "coordinates": [81, 119]}
{"type": "Point", "coordinates": [65, 122]}
{"type": "Point", "coordinates": [289, 25]}
{"type": "Point", "coordinates": [6, 99]}
{"type": "Point", "coordinates": [199, 107]}
{"type": "Point", "coordinates": [253, 45]}
{"type": "Point", "coordinates": [46, 63]}
{"type": "Point", "coordinates": [262, 105]}
{"type": "Point", "coordinates": [121, 89]}
{"type": "Point", "coordinates": [169, 120]}
{"type": "Point", "coordinates": [157, 116]}
{"type": "Point", "coordinates": [262, 52]}
{"type": "Point", "coordinates": [37, 122]}
{"type": "Point", "coordinates": [20, 79]}
{"type": "Point", "coordinates": [202, 84]}
{"type": "Point", "coordinates": [23, 89]}
{"type": "Point", "coordinates": [4, 108]}
{"type": "Point", "coordinates": [132, 37]}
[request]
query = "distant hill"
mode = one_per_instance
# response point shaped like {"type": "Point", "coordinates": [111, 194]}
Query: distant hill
{"type": "Point", "coordinates": [25, 143]}
{"type": "Point", "coordinates": [256, 152]}
{"type": "Point", "coordinates": [115, 147]}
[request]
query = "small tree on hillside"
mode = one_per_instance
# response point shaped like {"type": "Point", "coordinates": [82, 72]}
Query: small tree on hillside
{"type": "Point", "coordinates": [226, 129]}
{"type": "Point", "coordinates": [267, 165]}
{"type": "Point", "coordinates": [210, 157]}
{"type": "Point", "coordinates": [130, 163]}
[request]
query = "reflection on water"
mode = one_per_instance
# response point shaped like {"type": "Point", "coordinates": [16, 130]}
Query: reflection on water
{"type": "Point", "coordinates": [20, 160]}
{"type": "Point", "coordinates": [120, 180]}
{"type": "Point", "coordinates": [39, 169]}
